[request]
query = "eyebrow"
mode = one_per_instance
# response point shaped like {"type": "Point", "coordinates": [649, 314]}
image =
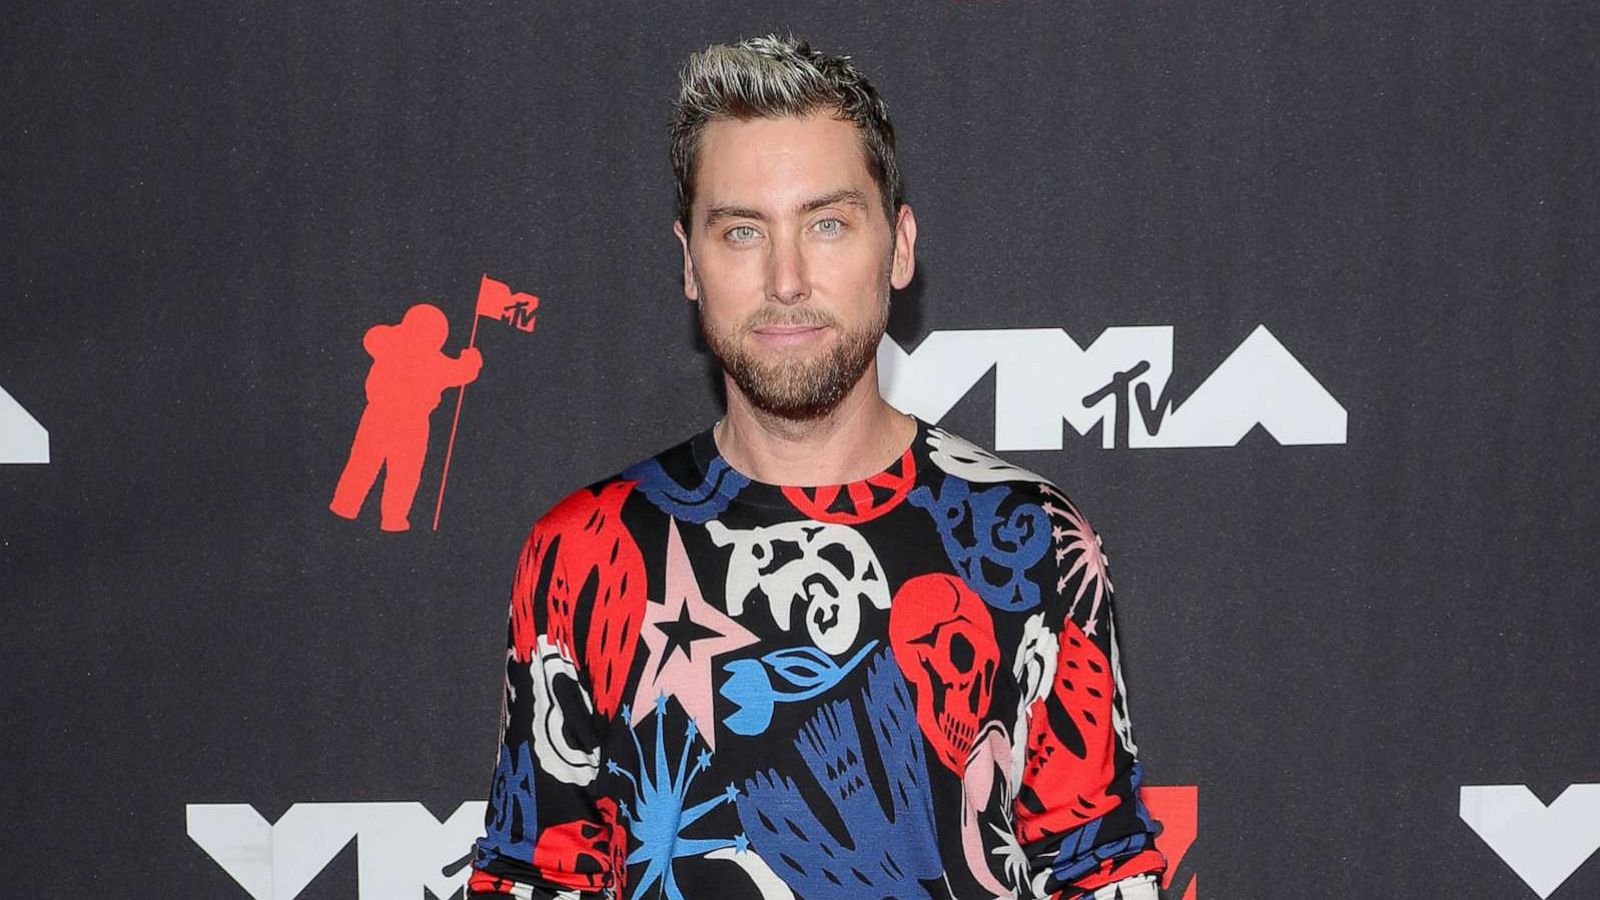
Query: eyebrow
{"type": "Point", "coordinates": [847, 196]}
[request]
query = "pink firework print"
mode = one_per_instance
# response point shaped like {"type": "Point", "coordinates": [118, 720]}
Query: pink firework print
{"type": "Point", "coordinates": [1077, 549]}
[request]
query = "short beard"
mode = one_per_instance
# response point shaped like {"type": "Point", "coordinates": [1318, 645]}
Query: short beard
{"type": "Point", "coordinates": [798, 390]}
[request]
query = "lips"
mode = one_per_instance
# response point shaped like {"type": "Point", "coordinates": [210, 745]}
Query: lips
{"type": "Point", "coordinates": [786, 330]}
{"type": "Point", "coordinates": [788, 335]}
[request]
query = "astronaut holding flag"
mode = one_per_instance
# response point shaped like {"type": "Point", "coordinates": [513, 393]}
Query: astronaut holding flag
{"type": "Point", "coordinates": [409, 374]}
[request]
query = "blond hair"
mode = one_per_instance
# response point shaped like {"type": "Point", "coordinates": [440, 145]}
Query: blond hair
{"type": "Point", "coordinates": [770, 77]}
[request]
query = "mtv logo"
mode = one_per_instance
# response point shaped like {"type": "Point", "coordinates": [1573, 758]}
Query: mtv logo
{"type": "Point", "coordinates": [22, 438]}
{"type": "Point", "coordinates": [1544, 845]}
{"type": "Point", "coordinates": [497, 300]}
{"type": "Point", "coordinates": [403, 851]}
{"type": "Point", "coordinates": [1118, 382]}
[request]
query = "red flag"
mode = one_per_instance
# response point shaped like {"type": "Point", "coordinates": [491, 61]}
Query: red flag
{"type": "Point", "coordinates": [497, 301]}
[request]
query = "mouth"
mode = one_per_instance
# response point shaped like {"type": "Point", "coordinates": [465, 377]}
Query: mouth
{"type": "Point", "coordinates": [785, 335]}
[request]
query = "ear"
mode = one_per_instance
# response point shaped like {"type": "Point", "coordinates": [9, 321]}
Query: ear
{"type": "Point", "coordinates": [690, 288]}
{"type": "Point", "coordinates": [905, 248]}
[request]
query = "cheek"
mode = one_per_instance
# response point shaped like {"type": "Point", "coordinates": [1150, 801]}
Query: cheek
{"type": "Point", "coordinates": [729, 281]}
{"type": "Point", "coordinates": [856, 271]}
{"type": "Point", "coordinates": [725, 310]}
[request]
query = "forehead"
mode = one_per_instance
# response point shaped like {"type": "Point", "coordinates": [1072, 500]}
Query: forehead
{"type": "Point", "coordinates": [778, 162]}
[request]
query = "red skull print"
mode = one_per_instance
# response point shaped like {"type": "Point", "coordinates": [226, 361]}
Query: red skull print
{"type": "Point", "coordinates": [944, 642]}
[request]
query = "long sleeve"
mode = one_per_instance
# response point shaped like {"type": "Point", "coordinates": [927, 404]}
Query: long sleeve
{"type": "Point", "coordinates": [550, 832]}
{"type": "Point", "coordinates": [1079, 819]}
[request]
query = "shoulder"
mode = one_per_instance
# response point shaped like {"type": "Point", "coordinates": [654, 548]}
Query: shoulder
{"type": "Point", "coordinates": [956, 457]}
{"type": "Point", "coordinates": [1013, 534]}
{"type": "Point", "coordinates": [586, 508]}
{"type": "Point", "coordinates": [980, 468]}
{"type": "Point", "coordinates": [642, 486]}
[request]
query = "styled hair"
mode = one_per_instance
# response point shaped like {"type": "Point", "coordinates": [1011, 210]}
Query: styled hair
{"type": "Point", "coordinates": [771, 77]}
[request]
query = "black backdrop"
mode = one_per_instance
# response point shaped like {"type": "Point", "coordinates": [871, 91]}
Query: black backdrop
{"type": "Point", "coordinates": [204, 209]}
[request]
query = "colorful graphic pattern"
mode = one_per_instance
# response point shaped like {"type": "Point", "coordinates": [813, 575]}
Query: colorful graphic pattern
{"type": "Point", "coordinates": [901, 687]}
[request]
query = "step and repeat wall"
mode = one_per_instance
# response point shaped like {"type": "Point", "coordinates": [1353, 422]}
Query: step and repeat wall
{"type": "Point", "coordinates": [1298, 301]}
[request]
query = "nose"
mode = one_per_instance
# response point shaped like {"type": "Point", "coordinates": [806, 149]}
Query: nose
{"type": "Point", "coordinates": [787, 279]}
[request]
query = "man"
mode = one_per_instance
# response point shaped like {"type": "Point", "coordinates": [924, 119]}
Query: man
{"type": "Point", "coordinates": [821, 649]}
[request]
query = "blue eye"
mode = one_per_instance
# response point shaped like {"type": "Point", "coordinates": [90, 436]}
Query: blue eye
{"type": "Point", "coordinates": [830, 226]}
{"type": "Point", "coordinates": [742, 233]}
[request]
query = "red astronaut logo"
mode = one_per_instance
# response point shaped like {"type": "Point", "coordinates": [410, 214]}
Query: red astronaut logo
{"type": "Point", "coordinates": [409, 374]}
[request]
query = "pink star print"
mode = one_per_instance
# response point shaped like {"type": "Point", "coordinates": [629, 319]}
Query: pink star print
{"type": "Point", "coordinates": [684, 633]}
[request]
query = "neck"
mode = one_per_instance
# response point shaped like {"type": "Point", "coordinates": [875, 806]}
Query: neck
{"type": "Point", "coordinates": [861, 436]}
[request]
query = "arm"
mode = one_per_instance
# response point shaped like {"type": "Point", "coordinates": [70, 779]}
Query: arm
{"type": "Point", "coordinates": [548, 833]}
{"type": "Point", "coordinates": [1079, 818]}
{"type": "Point", "coordinates": [463, 369]}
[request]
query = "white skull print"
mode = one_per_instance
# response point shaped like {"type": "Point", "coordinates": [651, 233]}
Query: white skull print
{"type": "Point", "coordinates": [827, 567]}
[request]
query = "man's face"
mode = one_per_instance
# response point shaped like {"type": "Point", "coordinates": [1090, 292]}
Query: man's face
{"type": "Point", "coordinates": [791, 259]}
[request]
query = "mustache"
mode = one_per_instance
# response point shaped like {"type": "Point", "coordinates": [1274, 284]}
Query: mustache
{"type": "Point", "coordinates": [798, 317]}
